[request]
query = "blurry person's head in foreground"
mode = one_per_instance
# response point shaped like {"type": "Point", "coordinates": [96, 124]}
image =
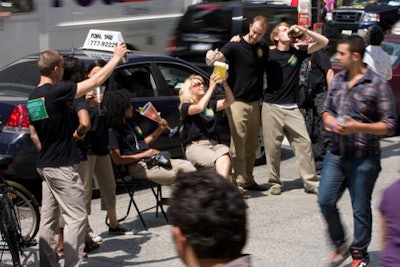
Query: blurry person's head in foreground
{"type": "Point", "coordinates": [208, 215]}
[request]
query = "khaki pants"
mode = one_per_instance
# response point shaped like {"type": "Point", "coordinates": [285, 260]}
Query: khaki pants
{"type": "Point", "coordinates": [244, 122]}
{"type": "Point", "coordinates": [278, 123]}
{"type": "Point", "coordinates": [62, 191]}
{"type": "Point", "coordinates": [101, 167]}
{"type": "Point", "coordinates": [158, 174]}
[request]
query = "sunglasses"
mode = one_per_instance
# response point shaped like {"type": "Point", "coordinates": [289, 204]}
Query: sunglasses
{"type": "Point", "coordinates": [197, 84]}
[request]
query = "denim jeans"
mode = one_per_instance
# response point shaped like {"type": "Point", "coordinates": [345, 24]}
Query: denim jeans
{"type": "Point", "coordinates": [359, 176]}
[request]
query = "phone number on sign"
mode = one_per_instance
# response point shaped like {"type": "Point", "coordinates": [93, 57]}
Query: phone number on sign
{"type": "Point", "coordinates": [102, 44]}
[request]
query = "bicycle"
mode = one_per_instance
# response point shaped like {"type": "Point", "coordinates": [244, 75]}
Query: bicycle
{"type": "Point", "coordinates": [19, 213]}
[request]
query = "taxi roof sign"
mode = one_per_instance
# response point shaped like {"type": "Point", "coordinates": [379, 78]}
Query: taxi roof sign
{"type": "Point", "coordinates": [102, 40]}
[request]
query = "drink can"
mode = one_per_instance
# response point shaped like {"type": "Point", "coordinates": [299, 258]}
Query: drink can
{"type": "Point", "coordinates": [294, 32]}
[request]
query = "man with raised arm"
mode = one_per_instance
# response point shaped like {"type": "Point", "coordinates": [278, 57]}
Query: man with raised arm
{"type": "Point", "coordinates": [280, 115]}
{"type": "Point", "coordinates": [53, 135]}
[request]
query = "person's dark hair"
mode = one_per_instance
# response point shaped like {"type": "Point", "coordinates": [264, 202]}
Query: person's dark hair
{"type": "Point", "coordinates": [211, 213]}
{"type": "Point", "coordinates": [116, 103]}
{"type": "Point", "coordinates": [47, 61]}
{"type": "Point", "coordinates": [74, 70]}
{"type": "Point", "coordinates": [356, 44]}
{"type": "Point", "coordinates": [96, 63]}
{"type": "Point", "coordinates": [374, 35]}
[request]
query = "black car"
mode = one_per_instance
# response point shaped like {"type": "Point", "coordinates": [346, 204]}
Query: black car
{"type": "Point", "coordinates": [355, 17]}
{"type": "Point", "coordinates": [211, 25]}
{"type": "Point", "coordinates": [161, 79]}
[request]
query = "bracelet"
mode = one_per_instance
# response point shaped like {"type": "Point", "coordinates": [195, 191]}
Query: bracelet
{"type": "Point", "coordinates": [77, 136]}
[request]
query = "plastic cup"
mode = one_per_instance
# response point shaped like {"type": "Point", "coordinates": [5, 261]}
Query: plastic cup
{"type": "Point", "coordinates": [150, 112]}
{"type": "Point", "coordinates": [98, 93]}
{"type": "Point", "coordinates": [220, 69]}
{"type": "Point", "coordinates": [341, 120]}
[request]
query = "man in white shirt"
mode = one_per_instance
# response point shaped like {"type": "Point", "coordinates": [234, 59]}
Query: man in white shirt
{"type": "Point", "coordinates": [377, 58]}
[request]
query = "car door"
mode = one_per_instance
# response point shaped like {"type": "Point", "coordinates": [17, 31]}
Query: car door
{"type": "Point", "coordinates": [158, 83]}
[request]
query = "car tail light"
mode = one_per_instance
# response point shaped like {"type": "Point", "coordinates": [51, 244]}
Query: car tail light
{"type": "Point", "coordinates": [19, 118]}
{"type": "Point", "coordinates": [212, 7]}
{"type": "Point", "coordinates": [171, 44]}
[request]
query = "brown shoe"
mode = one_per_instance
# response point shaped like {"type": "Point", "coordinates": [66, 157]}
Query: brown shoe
{"type": "Point", "coordinates": [91, 245]}
{"type": "Point", "coordinates": [255, 187]}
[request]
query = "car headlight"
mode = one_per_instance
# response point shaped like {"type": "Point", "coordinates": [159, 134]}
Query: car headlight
{"type": "Point", "coordinates": [371, 17]}
{"type": "Point", "coordinates": [328, 16]}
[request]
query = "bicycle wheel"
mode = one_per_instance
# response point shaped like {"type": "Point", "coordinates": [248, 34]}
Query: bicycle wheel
{"type": "Point", "coordinates": [9, 231]}
{"type": "Point", "coordinates": [26, 211]}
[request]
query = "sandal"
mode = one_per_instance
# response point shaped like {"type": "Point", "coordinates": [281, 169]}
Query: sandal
{"type": "Point", "coordinates": [91, 245]}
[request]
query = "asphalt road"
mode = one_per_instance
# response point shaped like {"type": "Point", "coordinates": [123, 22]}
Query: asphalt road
{"type": "Point", "coordinates": [286, 230]}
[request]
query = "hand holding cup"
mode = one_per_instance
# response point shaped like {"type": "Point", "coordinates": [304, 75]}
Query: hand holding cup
{"type": "Point", "coordinates": [220, 69]}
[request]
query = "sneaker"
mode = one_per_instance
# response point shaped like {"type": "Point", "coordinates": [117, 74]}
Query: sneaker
{"type": "Point", "coordinates": [91, 245]}
{"type": "Point", "coordinates": [360, 262]}
{"type": "Point", "coordinates": [255, 187]}
{"type": "Point", "coordinates": [339, 256]}
{"type": "Point", "coordinates": [360, 258]}
{"type": "Point", "coordinates": [245, 196]}
{"type": "Point", "coordinates": [312, 191]}
{"type": "Point", "coordinates": [95, 237]}
{"type": "Point", "coordinates": [121, 230]}
{"type": "Point", "coordinates": [275, 190]}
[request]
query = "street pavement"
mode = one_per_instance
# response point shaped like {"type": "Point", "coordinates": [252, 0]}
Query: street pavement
{"type": "Point", "coordinates": [285, 230]}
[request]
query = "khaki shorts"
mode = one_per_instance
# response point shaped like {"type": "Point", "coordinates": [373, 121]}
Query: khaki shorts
{"type": "Point", "coordinates": [204, 153]}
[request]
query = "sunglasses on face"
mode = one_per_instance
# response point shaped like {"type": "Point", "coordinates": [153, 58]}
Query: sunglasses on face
{"type": "Point", "coordinates": [197, 84]}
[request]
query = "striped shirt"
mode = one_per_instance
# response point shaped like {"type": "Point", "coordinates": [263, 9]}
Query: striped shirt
{"type": "Point", "coordinates": [370, 100]}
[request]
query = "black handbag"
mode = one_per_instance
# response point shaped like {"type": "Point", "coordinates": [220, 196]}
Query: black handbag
{"type": "Point", "coordinates": [162, 159]}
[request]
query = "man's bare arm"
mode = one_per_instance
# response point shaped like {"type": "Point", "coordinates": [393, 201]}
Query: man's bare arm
{"type": "Point", "coordinates": [35, 138]}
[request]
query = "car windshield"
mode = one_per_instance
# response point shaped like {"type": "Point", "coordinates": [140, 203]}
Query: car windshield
{"type": "Point", "coordinates": [206, 20]}
{"type": "Point", "coordinates": [391, 47]}
{"type": "Point", "coordinates": [22, 71]}
{"type": "Point", "coordinates": [20, 78]}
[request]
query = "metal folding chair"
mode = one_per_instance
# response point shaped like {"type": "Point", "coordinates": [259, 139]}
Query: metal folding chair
{"type": "Point", "coordinates": [131, 185]}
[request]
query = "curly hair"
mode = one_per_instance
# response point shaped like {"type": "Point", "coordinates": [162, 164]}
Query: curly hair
{"type": "Point", "coordinates": [211, 213]}
{"type": "Point", "coordinates": [74, 70]}
{"type": "Point", "coordinates": [96, 63]}
{"type": "Point", "coordinates": [374, 35]}
{"type": "Point", "coordinates": [185, 94]}
{"type": "Point", "coordinates": [116, 103]}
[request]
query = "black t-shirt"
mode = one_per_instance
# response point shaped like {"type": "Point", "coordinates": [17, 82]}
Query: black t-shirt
{"type": "Point", "coordinates": [50, 114]}
{"type": "Point", "coordinates": [97, 137]}
{"type": "Point", "coordinates": [246, 69]}
{"type": "Point", "coordinates": [200, 126]}
{"type": "Point", "coordinates": [320, 63]}
{"type": "Point", "coordinates": [129, 141]}
{"type": "Point", "coordinates": [78, 105]}
{"type": "Point", "coordinates": [283, 75]}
